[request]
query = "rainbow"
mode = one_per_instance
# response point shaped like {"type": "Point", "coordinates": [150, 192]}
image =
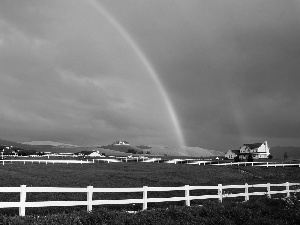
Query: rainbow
{"type": "Point", "coordinates": [151, 71]}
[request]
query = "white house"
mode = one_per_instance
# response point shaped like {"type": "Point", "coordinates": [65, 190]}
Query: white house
{"type": "Point", "coordinates": [257, 150]}
{"type": "Point", "coordinates": [121, 143]}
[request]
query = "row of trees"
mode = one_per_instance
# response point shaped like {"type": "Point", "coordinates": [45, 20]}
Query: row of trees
{"type": "Point", "coordinates": [13, 151]}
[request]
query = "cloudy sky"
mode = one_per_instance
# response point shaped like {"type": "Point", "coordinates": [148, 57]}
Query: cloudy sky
{"type": "Point", "coordinates": [212, 73]}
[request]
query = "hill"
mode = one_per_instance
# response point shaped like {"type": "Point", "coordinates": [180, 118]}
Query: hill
{"type": "Point", "coordinates": [184, 151]}
{"type": "Point", "coordinates": [39, 147]}
{"type": "Point", "coordinates": [124, 148]}
{"type": "Point", "coordinates": [292, 152]}
{"type": "Point", "coordinates": [48, 143]}
{"type": "Point", "coordinates": [166, 151]}
{"type": "Point", "coordinates": [48, 146]}
{"type": "Point", "coordinates": [20, 145]}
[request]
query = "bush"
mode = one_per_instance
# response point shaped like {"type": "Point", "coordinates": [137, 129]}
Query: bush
{"type": "Point", "coordinates": [131, 151]}
{"type": "Point", "coordinates": [250, 158]}
{"type": "Point", "coordinates": [237, 159]}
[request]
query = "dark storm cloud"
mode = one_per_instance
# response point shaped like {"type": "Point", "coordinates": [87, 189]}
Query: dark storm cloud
{"type": "Point", "coordinates": [72, 78]}
{"type": "Point", "coordinates": [230, 69]}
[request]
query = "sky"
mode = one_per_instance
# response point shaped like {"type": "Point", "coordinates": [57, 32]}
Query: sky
{"type": "Point", "coordinates": [211, 74]}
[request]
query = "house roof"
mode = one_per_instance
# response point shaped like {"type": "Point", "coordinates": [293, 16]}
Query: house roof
{"type": "Point", "coordinates": [235, 151]}
{"type": "Point", "coordinates": [252, 146]}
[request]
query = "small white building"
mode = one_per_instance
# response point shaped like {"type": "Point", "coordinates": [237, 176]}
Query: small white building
{"type": "Point", "coordinates": [231, 154]}
{"type": "Point", "coordinates": [121, 143]}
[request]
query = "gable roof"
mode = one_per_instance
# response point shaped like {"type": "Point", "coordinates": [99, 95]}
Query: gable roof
{"type": "Point", "coordinates": [235, 151]}
{"type": "Point", "coordinates": [252, 146]}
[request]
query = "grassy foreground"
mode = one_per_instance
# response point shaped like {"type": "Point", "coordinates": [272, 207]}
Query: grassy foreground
{"type": "Point", "coordinates": [256, 211]}
{"type": "Point", "coordinates": [146, 174]}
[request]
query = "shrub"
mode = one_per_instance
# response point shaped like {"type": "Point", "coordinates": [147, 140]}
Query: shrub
{"type": "Point", "coordinates": [133, 151]}
{"type": "Point", "coordinates": [250, 158]}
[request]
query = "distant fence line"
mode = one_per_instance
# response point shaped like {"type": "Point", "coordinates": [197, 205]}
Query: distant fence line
{"type": "Point", "coordinates": [89, 190]}
{"type": "Point", "coordinates": [151, 160]}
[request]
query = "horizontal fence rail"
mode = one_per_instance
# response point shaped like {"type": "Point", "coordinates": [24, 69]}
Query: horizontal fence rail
{"type": "Point", "coordinates": [222, 191]}
{"type": "Point", "coordinates": [147, 160]}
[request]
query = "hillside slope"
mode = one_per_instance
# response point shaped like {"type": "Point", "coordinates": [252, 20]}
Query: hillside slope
{"type": "Point", "coordinates": [120, 149]}
{"type": "Point", "coordinates": [184, 151]}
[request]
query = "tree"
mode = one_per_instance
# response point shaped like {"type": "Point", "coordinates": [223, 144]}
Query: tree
{"type": "Point", "coordinates": [237, 159]}
{"type": "Point", "coordinates": [285, 156]}
{"type": "Point", "coordinates": [250, 158]}
{"type": "Point", "coordinates": [133, 151]}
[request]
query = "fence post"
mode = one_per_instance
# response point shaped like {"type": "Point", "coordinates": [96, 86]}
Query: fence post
{"type": "Point", "coordinates": [145, 196]}
{"type": "Point", "coordinates": [287, 189]}
{"type": "Point", "coordinates": [246, 192]}
{"type": "Point", "coordinates": [3, 163]}
{"type": "Point", "coordinates": [269, 190]}
{"type": "Point", "coordinates": [22, 200]}
{"type": "Point", "coordinates": [187, 195]}
{"type": "Point", "coordinates": [89, 198]}
{"type": "Point", "coordinates": [220, 192]}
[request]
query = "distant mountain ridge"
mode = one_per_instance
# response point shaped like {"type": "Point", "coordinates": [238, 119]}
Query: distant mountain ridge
{"type": "Point", "coordinates": [166, 151]}
{"type": "Point", "coordinates": [51, 143]}
{"type": "Point", "coordinates": [116, 149]}
{"type": "Point", "coordinates": [185, 151]}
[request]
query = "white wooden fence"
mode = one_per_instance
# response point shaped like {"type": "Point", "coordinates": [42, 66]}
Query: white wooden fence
{"type": "Point", "coordinates": [152, 160]}
{"type": "Point", "coordinates": [59, 161]}
{"type": "Point", "coordinates": [220, 194]}
{"type": "Point", "coordinates": [262, 164]}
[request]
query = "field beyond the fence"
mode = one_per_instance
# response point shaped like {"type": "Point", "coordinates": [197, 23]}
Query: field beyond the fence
{"type": "Point", "coordinates": [128, 175]}
{"type": "Point", "coordinates": [139, 174]}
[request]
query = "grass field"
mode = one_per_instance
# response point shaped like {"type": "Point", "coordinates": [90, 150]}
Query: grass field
{"type": "Point", "coordinates": [139, 174]}
{"type": "Point", "coordinates": [120, 175]}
